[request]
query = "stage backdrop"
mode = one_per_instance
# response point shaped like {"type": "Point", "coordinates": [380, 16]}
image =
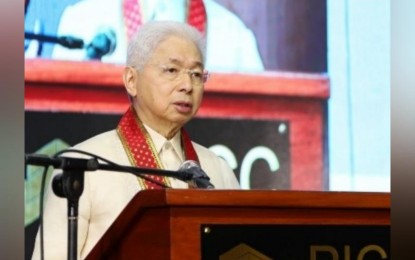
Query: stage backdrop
{"type": "Point", "coordinates": [271, 127]}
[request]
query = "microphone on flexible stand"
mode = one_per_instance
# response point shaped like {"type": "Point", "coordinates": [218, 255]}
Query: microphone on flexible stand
{"type": "Point", "coordinates": [188, 171]}
{"type": "Point", "coordinates": [70, 183]}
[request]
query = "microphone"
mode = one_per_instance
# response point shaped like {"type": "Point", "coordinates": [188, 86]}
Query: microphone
{"type": "Point", "coordinates": [69, 42]}
{"type": "Point", "coordinates": [103, 43]}
{"type": "Point", "coordinates": [200, 178]}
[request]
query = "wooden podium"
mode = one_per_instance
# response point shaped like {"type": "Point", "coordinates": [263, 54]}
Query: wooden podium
{"type": "Point", "coordinates": [168, 224]}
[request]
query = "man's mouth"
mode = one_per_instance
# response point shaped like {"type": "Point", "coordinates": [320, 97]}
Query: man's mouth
{"type": "Point", "coordinates": [183, 107]}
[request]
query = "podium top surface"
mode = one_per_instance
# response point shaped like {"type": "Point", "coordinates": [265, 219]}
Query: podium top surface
{"type": "Point", "coordinates": [265, 198]}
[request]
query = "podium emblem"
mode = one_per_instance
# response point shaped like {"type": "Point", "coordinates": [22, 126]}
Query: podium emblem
{"type": "Point", "coordinates": [243, 252]}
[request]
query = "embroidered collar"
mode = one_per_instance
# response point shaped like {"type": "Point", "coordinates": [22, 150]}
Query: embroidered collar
{"type": "Point", "coordinates": [142, 152]}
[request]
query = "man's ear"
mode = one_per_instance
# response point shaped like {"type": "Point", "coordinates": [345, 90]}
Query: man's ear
{"type": "Point", "coordinates": [130, 77]}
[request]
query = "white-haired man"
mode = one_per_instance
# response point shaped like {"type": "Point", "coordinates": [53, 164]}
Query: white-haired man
{"type": "Point", "coordinates": [164, 78]}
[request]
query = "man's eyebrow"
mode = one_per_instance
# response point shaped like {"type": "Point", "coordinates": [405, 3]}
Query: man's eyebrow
{"type": "Point", "coordinates": [179, 62]}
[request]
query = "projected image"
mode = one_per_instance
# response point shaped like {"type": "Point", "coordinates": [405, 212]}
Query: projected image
{"type": "Point", "coordinates": [100, 30]}
{"type": "Point", "coordinates": [242, 36]}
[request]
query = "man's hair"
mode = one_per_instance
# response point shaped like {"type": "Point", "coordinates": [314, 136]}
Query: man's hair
{"type": "Point", "coordinates": [151, 34]}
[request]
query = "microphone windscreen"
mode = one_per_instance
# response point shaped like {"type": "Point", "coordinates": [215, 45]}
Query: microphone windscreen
{"type": "Point", "coordinates": [186, 165]}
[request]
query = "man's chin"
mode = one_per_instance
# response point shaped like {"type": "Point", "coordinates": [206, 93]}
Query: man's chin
{"type": "Point", "coordinates": [182, 119]}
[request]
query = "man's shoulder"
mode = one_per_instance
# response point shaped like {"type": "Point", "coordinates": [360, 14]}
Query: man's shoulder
{"type": "Point", "coordinates": [200, 148]}
{"type": "Point", "coordinates": [205, 153]}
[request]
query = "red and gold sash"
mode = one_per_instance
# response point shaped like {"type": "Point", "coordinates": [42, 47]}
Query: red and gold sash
{"type": "Point", "coordinates": [140, 148]}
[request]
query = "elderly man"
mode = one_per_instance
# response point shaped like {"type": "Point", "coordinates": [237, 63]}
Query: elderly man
{"type": "Point", "coordinates": [164, 78]}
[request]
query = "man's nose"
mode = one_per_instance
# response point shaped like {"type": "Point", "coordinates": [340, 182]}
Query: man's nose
{"type": "Point", "coordinates": [186, 81]}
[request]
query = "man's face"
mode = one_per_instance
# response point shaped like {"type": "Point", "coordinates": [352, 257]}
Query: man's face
{"type": "Point", "coordinates": [168, 87]}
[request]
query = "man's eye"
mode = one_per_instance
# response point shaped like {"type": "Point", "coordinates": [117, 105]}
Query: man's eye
{"type": "Point", "coordinates": [171, 70]}
{"type": "Point", "coordinates": [196, 74]}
